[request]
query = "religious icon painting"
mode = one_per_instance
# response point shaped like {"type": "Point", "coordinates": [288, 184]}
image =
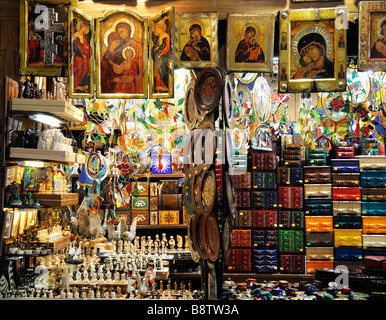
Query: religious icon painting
{"type": "Point", "coordinates": [196, 40]}
{"type": "Point", "coordinates": [312, 50]}
{"type": "Point", "coordinates": [81, 62]}
{"type": "Point", "coordinates": [372, 36]}
{"type": "Point", "coordinates": [161, 54]}
{"type": "Point", "coordinates": [43, 37]}
{"type": "Point", "coordinates": [121, 55]}
{"type": "Point", "coordinates": [250, 39]}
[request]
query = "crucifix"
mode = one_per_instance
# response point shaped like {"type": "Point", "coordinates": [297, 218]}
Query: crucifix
{"type": "Point", "coordinates": [48, 41]}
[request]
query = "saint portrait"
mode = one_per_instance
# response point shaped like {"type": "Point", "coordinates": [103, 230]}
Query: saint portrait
{"type": "Point", "coordinates": [372, 36]}
{"type": "Point", "coordinates": [312, 51]}
{"type": "Point", "coordinates": [81, 62]}
{"type": "Point", "coordinates": [313, 60]}
{"type": "Point", "coordinates": [378, 49]}
{"type": "Point", "coordinates": [196, 40]}
{"type": "Point", "coordinates": [161, 64]}
{"type": "Point", "coordinates": [250, 42]}
{"type": "Point", "coordinates": [121, 55]}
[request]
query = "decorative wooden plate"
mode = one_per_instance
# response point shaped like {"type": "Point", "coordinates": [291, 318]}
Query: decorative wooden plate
{"type": "Point", "coordinates": [212, 237]}
{"type": "Point", "coordinates": [207, 89]}
{"type": "Point", "coordinates": [198, 237]}
{"type": "Point", "coordinates": [227, 100]}
{"type": "Point", "coordinates": [190, 108]}
{"type": "Point", "coordinates": [187, 195]}
{"type": "Point", "coordinates": [227, 239]}
{"type": "Point", "coordinates": [196, 192]}
{"type": "Point", "coordinates": [230, 191]}
{"type": "Point", "coordinates": [208, 149]}
{"type": "Point", "coordinates": [208, 191]}
{"type": "Point", "coordinates": [191, 235]}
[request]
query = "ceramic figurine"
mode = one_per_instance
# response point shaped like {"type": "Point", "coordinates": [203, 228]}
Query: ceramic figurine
{"type": "Point", "coordinates": [14, 199]}
{"type": "Point", "coordinates": [28, 201]}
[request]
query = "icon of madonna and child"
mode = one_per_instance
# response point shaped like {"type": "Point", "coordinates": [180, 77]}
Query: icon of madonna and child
{"type": "Point", "coordinates": [122, 62]}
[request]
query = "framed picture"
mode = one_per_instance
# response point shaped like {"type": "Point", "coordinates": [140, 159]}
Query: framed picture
{"type": "Point", "coordinates": [196, 40]}
{"type": "Point", "coordinates": [8, 224]}
{"type": "Point", "coordinates": [250, 39]}
{"type": "Point", "coordinates": [121, 55]}
{"type": "Point", "coordinates": [161, 55]}
{"type": "Point", "coordinates": [15, 223]}
{"type": "Point", "coordinates": [81, 62]}
{"type": "Point", "coordinates": [43, 37]}
{"type": "Point", "coordinates": [372, 35]}
{"type": "Point", "coordinates": [312, 50]}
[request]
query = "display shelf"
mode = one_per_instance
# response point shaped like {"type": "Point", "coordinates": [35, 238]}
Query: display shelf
{"type": "Point", "coordinates": [46, 155]}
{"type": "Point", "coordinates": [260, 277]}
{"type": "Point", "coordinates": [56, 199]}
{"type": "Point", "coordinates": [58, 108]}
{"type": "Point", "coordinates": [161, 226]}
{"type": "Point", "coordinates": [154, 176]}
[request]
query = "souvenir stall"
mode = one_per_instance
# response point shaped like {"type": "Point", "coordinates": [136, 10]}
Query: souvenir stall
{"type": "Point", "coordinates": [165, 154]}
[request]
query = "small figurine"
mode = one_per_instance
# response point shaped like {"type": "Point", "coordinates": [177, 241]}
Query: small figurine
{"type": "Point", "coordinates": [20, 94]}
{"type": "Point", "coordinates": [26, 91]}
{"type": "Point", "coordinates": [15, 194]}
{"type": "Point", "coordinates": [172, 243]}
{"type": "Point", "coordinates": [28, 201]}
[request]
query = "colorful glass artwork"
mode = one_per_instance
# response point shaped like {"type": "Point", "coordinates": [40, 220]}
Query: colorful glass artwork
{"type": "Point", "coordinates": [30, 178]}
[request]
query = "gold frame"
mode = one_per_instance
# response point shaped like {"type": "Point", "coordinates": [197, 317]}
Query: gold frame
{"type": "Point", "coordinates": [24, 68]}
{"type": "Point", "coordinates": [180, 33]}
{"type": "Point", "coordinates": [266, 42]}
{"type": "Point", "coordinates": [86, 18]}
{"type": "Point", "coordinates": [134, 19]}
{"type": "Point", "coordinates": [366, 9]}
{"type": "Point", "coordinates": [170, 14]}
{"type": "Point", "coordinates": [315, 20]}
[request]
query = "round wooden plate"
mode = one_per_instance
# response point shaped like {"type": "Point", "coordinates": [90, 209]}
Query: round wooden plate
{"type": "Point", "coordinates": [212, 237]}
{"type": "Point", "coordinates": [196, 192]}
{"type": "Point", "coordinates": [227, 239]}
{"type": "Point", "coordinates": [208, 149]}
{"type": "Point", "coordinates": [227, 100]}
{"type": "Point", "coordinates": [207, 89]}
{"type": "Point", "coordinates": [191, 235]}
{"type": "Point", "coordinates": [230, 191]}
{"type": "Point", "coordinates": [190, 108]}
{"type": "Point", "coordinates": [198, 237]}
{"type": "Point", "coordinates": [208, 191]}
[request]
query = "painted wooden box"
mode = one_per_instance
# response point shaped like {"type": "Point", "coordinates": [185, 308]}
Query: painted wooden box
{"type": "Point", "coordinates": [168, 217]}
{"type": "Point", "coordinates": [317, 190]}
{"type": "Point", "coordinates": [317, 174]}
{"type": "Point", "coordinates": [346, 207]}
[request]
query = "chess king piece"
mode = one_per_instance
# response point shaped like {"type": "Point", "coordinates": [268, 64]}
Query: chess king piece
{"type": "Point", "coordinates": [172, 243]}
{"type": "Point", "coordinates": [179, 243]}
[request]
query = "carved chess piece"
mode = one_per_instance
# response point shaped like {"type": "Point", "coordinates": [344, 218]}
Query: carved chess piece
{"type": "Point", "coordinates": [172, 243]}
{"type": "Point", "coordinates": [187, 243]}
{"type": "Point", "coordinates": [179, 243]}
{"type": "Point", "coordinates": [21, 86]}
{"type": "Point", "coordinates": [26, 91]}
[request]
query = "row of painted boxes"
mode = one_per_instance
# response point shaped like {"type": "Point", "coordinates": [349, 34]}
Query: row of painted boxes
{"type": "Point", "coordinates": [265, 261]}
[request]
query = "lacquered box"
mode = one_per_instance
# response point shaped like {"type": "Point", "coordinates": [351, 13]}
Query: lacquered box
{"type": "Point", "coordinates": [241, 238]}
{"type": "Point", "coordinates": [348, 238]}
{"type": "Point", "coordinates": [318, 206]}
{"type": "Point", "coordinates": [345, 152]}
{"type": "Point", "coordinates": [240, 260]}
{"type": "Point", "coordinates": [311, 265]}
{"type": "Point", "coordinates": [264, 161]}
{"type": "Point", "coordinates": [243, 181]}
{"type": "Point", "coordinates": [373, 194]}
{"type": "Point", "coordinates": [317, 190]}
{"type": "Point", "coordinates": [264, 219]}
{"type": "Point", "coordinates": [291, 219]}
{"type": "Point", "coordinates": [316, 157]}
{"type": "Point", "coordinates": [263, 180]}
{"type": "Point", "coordinates": [320, 253]}
{"type": "Point", "coordinates": [290, 197]}
{"type": "Point", "coordinates": [319, 224]}
{"type": "Point", "coordinates": [140, 203]}
{"type": "Point", "coordinates": [373, 178]}
{"type": "Point", "coordinates": [168, 217]}
{"type": "Point", "coordinates": [169, 202]}
{"type": "Point", "coordinates": [292, 263]}
{"type": "Point", "coordinates": [374, 240]}
{"type": "Point", "coordinates": [291, 241]}
{"type": "Point", "coordinates": [373, 224]}
{"type": "Point", "coordinates": [348, 253]}
{"type": "Point", "coordinates": [170, 186]}
{"type": "Point", "coordinates": [243, 198]}
{"type": "Point", "coordinates": [371, 162]}
{"type": "Point", "coordinates": [317, 174]}
{"type": "Point", "coordinates": [348, 222]}
{"type": "Point", "coordinates": [320, 239]}
{"type": "Point", "coordinates": [346, 207]}
{"type": "Point", "coordinates": [346, 180]}
{"type": "Point", "coordinates": [346, 193]}
{"type": "Point", "coordinates": [245, 218]}
{"type": "Point", "coordinates": [373, 208]}
{"type": "Point", "coordinates": [258, 199]}
{"type": "Point", "coordinates": [344, 165]}
{"type": "Point", "coordinates": [142, 217]}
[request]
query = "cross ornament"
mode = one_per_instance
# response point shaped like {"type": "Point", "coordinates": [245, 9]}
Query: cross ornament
{"type": "Point", "coordinates": [50, 48]}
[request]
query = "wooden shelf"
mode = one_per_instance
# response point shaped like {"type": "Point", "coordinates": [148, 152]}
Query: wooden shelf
{"type": "Point", "coordinates": [157, 226]}
{"type": "Point", "coordinates": [56, 199]}
{"type": "Point", "coordinates": [46, 155]}
{"type": "Point", "coordinates": [60, 109]}
{"type": "Point", "coordinates": [260, 277]}
{"type": "Point", "coordinates": [166, 176]}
